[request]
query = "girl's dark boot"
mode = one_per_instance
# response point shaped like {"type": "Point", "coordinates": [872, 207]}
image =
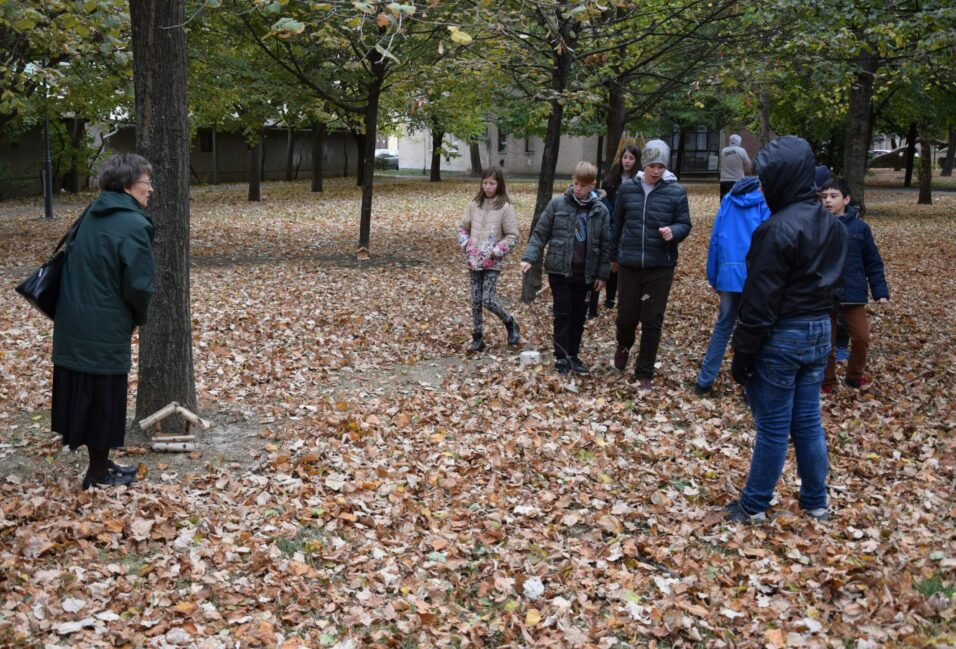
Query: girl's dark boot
{"type": "Point", "coordinates": [477, 344]}
{"type": "Point", "coordinates": [514, 332]}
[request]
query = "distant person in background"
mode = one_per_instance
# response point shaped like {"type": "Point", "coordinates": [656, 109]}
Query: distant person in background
{"type": "Point", "coordinates": [623, 170]}
{"type": "Point", "coordinates": [734, 165]}
{"type": "Point", "coordinates": [740, 213]}
{"type": "Point", "coordinates": [105, 293]}
{"type": "Point", "coordinates": [487, 232]}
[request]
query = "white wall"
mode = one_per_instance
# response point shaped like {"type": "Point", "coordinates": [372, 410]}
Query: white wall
{"type": "Point", "coordinates": [520, 155]}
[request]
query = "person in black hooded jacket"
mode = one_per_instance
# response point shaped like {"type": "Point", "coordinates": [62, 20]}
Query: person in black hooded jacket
{"type": "Point", "coordinates": [782, 338]}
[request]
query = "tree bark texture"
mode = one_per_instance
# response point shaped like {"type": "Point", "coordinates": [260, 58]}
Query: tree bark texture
{"type": "Point", "coordinates": [72, 174]}
{"type": "Point", "coordinates": [950, 154]}
{"type": "Point", "coordinates": [318, 155]}
{"type": "Point", "coordinates": [857, 134]}
{"type": "Point", "coordinates": [679, 163]}
{"type": "Point", "coordinates": [215, 158]}
{"type": "Point", "coordinates": [255, 171]}
{"type": "Point", "coordinates": [925, 167]}
{"type": "Point", "coordinates": [560, 71]}
{"type": "Point", "coordinates": [475, 150]}
{"type": "Point", "coordinates": [360, 157]}
{"type": "Point", "coordinates": [764, 119]}
{"type": "Point", "coordinates": [162, 136]}
{"type": "Point", "coordinates": [437, 137]}
{"type": "Point", "coordinates": [910, 155]}
{"type": "Point", "coordinates": [289, 152]}
{"type": "Point", "coordinates": [615, 120]}
{"type": "Point", "coordinates": [367, 156]}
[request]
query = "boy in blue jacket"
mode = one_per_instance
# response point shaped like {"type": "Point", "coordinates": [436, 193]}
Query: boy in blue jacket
{"type": "Point", "coordinates": [863, 269]}
{"type": "Point", "coordinates": [741, 211]}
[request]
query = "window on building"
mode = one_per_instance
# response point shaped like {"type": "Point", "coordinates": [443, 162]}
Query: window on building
{"type": "Point", "coordinates": [502, 142]}
{"type": "Point", "coordinates": [205, 141]}
{"type": "Point", "coordinates": [529, 145]}
{"type": "Point", "coordinates": [701, 149]}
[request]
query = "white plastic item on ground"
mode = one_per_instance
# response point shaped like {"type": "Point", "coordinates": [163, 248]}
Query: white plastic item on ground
{"type": "Point", "coordinates": [530, 358]}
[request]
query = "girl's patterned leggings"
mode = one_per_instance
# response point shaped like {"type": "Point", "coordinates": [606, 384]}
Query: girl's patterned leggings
{"type": "Point", "coordinates": [484, 284]}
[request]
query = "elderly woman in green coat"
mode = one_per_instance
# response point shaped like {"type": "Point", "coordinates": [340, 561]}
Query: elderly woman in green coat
{"type": "Point", "coordinates": [104, 295]}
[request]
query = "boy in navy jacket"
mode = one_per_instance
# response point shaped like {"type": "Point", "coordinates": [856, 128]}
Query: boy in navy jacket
{"type": "Point", "coordinates": [862, 270]}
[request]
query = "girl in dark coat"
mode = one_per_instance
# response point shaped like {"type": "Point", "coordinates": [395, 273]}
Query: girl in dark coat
{"type": "Point", "coordinates": [104, 295]}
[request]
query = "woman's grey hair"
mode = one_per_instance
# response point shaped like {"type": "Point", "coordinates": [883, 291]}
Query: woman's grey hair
{"type": "Point", "coordinates": [122, 170]}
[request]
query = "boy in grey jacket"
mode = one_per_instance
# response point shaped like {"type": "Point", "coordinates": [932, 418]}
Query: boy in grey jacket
{"type": "Point", "coordinates": [575, 228]}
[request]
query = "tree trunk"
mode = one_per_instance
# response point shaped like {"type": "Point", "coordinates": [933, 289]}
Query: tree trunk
{"type": "Point", "coordinates": [215, 158]}
{"type": "Point", "coordinates": [831, 150]}
{"type": "Point", "coordinates": [857, 134]}
{"type": "Point", "coordinates": [615, 120]}
{"type": "Point", "coordinates": [76, 162]}
{"type": "Point", "coordinates": [318, 154]}
{"type": "Point", "coordinates": [561, 69]}
{"type": "Point", "coordinates": [681, 146]}
{"type": "Point", "coordinates": [764, 117]}
{"type": "Point", "coordinates": [289, 150]}
{"type": "Point", "coordinates": [255, 171]}
{"type": "Point", "coordinates": [359, 157]}
{"type": "Point", "coordinates": [367, 155]}
{"type": "Point", "coordinates": [925, 167]}
{"type": "Point", "coordinates": [475, 150]}
{"type": "Point", "coordinates": [437, 137]}
{"type": "Point", "coordinates": [910, 155]}
{"type": "Point", "coordinates": [162, 136]}
{"type": "Point", "coordinates": [600, 157]}
{"type": "Point", "coordinates": [950, 154]}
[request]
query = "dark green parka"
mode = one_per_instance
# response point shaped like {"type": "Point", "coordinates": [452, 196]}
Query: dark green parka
{"type": "Point", "coordinates": [106, 287]}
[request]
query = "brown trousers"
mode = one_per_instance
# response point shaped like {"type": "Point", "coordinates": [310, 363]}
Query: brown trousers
{"type": "Point", "coordinates": [859, 330]}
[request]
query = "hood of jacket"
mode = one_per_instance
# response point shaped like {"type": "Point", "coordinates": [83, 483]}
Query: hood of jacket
{"type": "Point", "coordinates": [668, 176]}
{"type": "Point", "coordinates": [786, 171]}
{"type": "Point", "coordinates": [109, 203]}
{"type": "Point", "coordinates": [592, 198]}
{"type": "Point", "coordinates": [746, 192]}
{"type": "Point", "coordinates": [852, 214]}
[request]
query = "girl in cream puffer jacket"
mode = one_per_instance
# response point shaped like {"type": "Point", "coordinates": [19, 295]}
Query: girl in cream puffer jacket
{"type": "Point", "coordinates": [487, 232]}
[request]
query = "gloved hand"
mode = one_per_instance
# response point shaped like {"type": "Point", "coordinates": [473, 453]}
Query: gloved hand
{"type": "Point", "coordinates": [742, 367]}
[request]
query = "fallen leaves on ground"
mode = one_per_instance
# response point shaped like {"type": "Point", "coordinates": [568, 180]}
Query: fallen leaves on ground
{"type": "Point", "coordinates": [402, 493]}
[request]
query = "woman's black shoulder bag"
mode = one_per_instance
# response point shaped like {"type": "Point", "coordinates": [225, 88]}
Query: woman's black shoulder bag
{"type": "Point", "coordinates": [42, 287]}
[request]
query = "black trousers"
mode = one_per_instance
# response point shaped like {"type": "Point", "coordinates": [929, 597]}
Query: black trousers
{"type": "Point", "coordinates": [570, 306]}
{"type": "Point", "coordinates": [611, 288]}
{"type": "Point", "coordinates": [642, 299]}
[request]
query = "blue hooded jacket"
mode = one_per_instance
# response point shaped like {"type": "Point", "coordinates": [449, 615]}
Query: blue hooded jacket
{"type": "Point", "coordinates": [741, 211]}
{"type": "Point", "coordinates": [863, 265]}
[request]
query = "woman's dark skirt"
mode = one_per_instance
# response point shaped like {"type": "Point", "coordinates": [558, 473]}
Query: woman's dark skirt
{"type": "Point", "coordinates": [89, 409]}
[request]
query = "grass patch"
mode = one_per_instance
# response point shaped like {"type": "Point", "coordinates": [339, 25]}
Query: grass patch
{"type": "Point", "coordinates": [308, 540]}
{"type": "Point", "coordinates": [935, 584]}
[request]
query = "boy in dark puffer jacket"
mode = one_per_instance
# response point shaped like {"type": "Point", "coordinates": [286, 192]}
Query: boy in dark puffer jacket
{"type": "Point", "coordinates": [651, 217]}
{"type": "Point", "coordinates": [863, 269]}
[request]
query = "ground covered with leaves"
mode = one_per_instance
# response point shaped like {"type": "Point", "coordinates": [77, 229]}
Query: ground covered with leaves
{"type": "Point", "coordinates": [382, 488]}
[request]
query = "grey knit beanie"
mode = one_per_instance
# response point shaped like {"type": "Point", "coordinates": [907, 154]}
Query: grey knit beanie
{"type": "Point", "coordinates": [656, 152]}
